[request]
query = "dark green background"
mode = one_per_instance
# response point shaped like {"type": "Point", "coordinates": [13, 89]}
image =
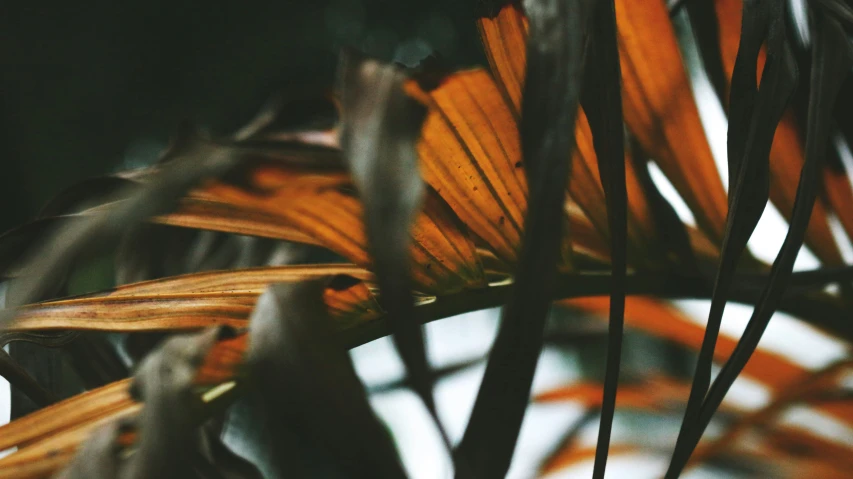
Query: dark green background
{"type": "Point", "coordinates": [92, 87]}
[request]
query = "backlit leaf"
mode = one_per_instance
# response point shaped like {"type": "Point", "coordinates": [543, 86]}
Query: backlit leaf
{"type": "Point", "coordinates": [193, 301]}
{"type": "Point", "coordinates": [503, 31]}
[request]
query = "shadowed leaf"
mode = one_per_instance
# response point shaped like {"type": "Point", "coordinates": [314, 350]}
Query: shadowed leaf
{"type": "Point", "coordinates": [550, 105]}
{"type": "Point", "coordinates": [602, 100]}
{"type": "Point", "coordinates": [215, 459]}
{"type": "Point", "coordinates": [311, 384]}
{"type": "Point", "coordinates": [167, 423]}
{"type": "Point", "coordinates": [378, 133]}
{"type": "Point", "coordinates": [99, 458]}
{"type": "Point", "coordinates": [673, 236]}
{"type": "Point", "coordinates": [21, 380]}
{"type": "Point", "coordinates": [192, 164]}
{"type": "Point", "coordinates": [833, 60]}
{"type": "Point", "coordinates": [754, 113]}
{"type": "Point", "coordinates": [786, 153]}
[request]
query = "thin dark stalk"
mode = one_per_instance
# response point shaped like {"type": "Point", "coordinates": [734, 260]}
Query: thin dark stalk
{"type": "Point", "coordinates": [802, 391]}
{"type": "Point", "coordinates": [602, 101]}
{"type": "Point", "coordinates": [833, 59]}
{"type": "Point", "coordinates": [20, 379]}
{"type": "Point", "coordinates": [746, 289]}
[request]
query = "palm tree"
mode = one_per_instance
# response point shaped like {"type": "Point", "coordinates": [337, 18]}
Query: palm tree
{"type": "Point", "coordinates": [430, 194]}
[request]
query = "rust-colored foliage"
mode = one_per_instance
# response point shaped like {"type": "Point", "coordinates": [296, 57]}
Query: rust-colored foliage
{"type": "Point", "coordinates": [431, 195]}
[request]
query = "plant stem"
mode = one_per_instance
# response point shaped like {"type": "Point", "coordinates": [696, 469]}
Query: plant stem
{"type": "Point", "coordinates": [822, 311]}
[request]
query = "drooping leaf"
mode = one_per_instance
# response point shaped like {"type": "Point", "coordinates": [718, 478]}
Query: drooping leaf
{"type": "Point", "coordinates": [800, 391]}
{"type": "Point", "coordinates": [550, 104]}
{"type": "Point", "coordinates": [64, 245]}
{"type": "Point", "coordinates": [311, 384]}
{"type": "Point", "coordinates": [168, 423]}
{"type": "Point", "coordinates": [379, 131]}
{"type": "Point", "coordinates": [602, 100]}
{"type": "Point", "coordinates": [786, 153]}
{"type": "Point", "coordinates": [754, 113]}
{"type": "Point", "coordinates": [833, 59]}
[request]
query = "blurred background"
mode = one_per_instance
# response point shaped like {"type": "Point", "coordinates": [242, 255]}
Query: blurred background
{"type": "Point", "coordinates": [91, 89]}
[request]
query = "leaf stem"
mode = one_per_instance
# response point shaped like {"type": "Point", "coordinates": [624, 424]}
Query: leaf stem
{"type": "Point", "coordinates": [822, 311]}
